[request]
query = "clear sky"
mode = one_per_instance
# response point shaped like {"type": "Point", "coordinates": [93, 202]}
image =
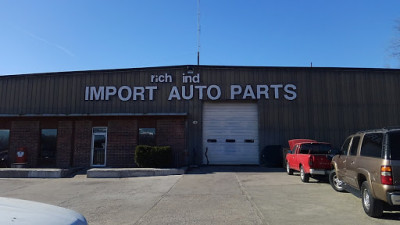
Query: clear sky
{"type": "Point", "coordinates": [68, 35]}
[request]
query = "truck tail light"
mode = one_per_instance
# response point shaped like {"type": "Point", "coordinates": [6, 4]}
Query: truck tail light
{"type": "Point", "coordinates": [310, 161]}
{"type": "Point", "coordinates": [386, 175]}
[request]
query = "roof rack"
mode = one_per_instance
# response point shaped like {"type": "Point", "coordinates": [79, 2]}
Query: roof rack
{"type": "Point", "coordinates": [380, 129]}
{"type": "Point", "coordinates": [371, 130]}
{"type": "Point", "coordinates": [391, 127]}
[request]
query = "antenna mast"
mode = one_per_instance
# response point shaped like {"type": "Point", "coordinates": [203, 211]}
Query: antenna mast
{"type": "Point", "coordinates": [198, 32]}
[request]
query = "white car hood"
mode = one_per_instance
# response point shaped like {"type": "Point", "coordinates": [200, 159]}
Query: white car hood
{"type": "Point", "coordinates": [16, 212]}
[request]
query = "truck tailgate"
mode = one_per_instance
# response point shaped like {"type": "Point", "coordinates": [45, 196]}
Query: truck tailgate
{"type": "Point", "coordinates": [320, 162]}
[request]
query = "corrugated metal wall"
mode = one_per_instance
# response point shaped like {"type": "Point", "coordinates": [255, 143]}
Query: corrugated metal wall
{"type": "Point", "coordinates": [331, 103]}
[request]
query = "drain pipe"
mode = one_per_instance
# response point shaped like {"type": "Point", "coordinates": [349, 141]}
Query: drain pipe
{"type": "Point", "coordinates": [208, 162]}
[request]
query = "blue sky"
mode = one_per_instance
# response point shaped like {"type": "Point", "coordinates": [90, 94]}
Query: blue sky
{"type": "Point", "coordinates": [69, 35]}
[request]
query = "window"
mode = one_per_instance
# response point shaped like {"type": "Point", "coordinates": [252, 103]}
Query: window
{"type": "Point", "coordinates": [372, 145]}
{"type": "Point", "coordinates": [304, 149]}
{"type": "Point", "coordinates": [147, 136]}
{"type": "Point", "coordinates": [345, 146]}
{"type": "Point", "coordinates": [48, 144]}
{"type": "Point", "coordinates": [394, 145]}
{"type": "Point", "coordinates": [354, 145]}
{"type": "Point", "coordinates": [317, 148]}
{"type": "Point", "coordinates": [4, 140]}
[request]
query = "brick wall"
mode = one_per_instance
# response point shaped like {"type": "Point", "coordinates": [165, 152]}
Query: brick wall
{"type": "Point", "coordinates": [121, 143]}
{"type": "Point", "coordinates": [74, 140]}
{"type": "Point", "coordinates": [171, 132]}
{"type": "Point", "coordinates": [25, 134]}
{"type": "Point", "coordinates": [82, 148]}
{"type": "Point", "coordinates": [65, 142]}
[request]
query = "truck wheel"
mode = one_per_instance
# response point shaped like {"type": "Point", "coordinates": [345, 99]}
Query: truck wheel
{"type": "Point", "coordinates": [305, 177]}
{"type": "Point", "coordinates": [288, 170]}
{"type": "Point", "coordinates": [335, 182]}
{"type": "Point", "coordinates": [372, 207]}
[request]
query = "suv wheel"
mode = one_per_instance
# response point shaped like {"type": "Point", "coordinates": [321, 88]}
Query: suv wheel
{"type": "Point", "coordinates": [288, 170]}
{"type": "Point", "coordinates": [372, 207]}
{"type": "Point", "coordinates": [335, 182]}
{"type": "Point", "coordinates": [305, 177]}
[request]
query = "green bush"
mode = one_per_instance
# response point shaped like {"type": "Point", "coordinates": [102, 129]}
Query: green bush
{"type": "Point", "coordinates": [153, 156]}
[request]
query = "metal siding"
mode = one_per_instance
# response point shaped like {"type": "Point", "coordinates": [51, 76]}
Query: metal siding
{"type": "Point", "coordinates": [15, 98]}
{"type": "Point", "coordinates": [43, 95]}
{"type": "Point", "coordinates": [331, 102]}
{"type": "Point", "coordinates": [9, 97]}
{"type": "Point", "coordinates": [3, 92]}
{"type": "Point", "coordinates": [20, 100]}
{"type": "Point", "coordinates": [53, 95]}
{"type": "Point", "coordinates": [7, 93]}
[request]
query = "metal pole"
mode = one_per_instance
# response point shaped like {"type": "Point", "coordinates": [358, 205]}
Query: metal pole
{"type": "Point", "coordinates": [198, 32]}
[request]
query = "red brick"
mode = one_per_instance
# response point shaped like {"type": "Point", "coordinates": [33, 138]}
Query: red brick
{"type": "Point", "coordinates": [25, 134]}
{"type": "Point", "coordinates": [65, 137]}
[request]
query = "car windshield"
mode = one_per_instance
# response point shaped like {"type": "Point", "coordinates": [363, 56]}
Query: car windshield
{"type": "Point", "coordinates": [394, 144]}
{"type": "Point", "coordinates": [315, 148]}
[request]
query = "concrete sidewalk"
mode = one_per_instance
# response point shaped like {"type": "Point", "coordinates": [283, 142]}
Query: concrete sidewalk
{"type": "Point", "coordinates": [34, 173]}
{"type": "Point", "coordinates": [132, 172]}
{"type": "Point", "coordinates": [91, 173]}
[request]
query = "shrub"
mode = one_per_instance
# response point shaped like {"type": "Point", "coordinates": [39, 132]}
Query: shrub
{"type": "Point", "coordinates": [142, 155]}
{"type": "Point", "coordinates": [153, 156]}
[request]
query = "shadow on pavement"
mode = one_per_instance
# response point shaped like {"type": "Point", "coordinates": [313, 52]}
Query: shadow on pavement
{"type": "Point", "coordinates": [232, 169]}
{"type": "Point", "coordinates": [77, 171]}
{"type": "Point", "coordinates": [391, 216]}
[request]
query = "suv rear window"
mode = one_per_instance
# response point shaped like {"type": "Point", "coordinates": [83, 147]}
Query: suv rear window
{"type": "Point", "coordinates": [372, 145]}
{"type": "Point", "coordinates": [394, 145]}
{"type": "Point", "coordinates": [316, 148]}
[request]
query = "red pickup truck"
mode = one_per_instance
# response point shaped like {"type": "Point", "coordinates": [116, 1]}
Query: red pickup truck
{"type": "Point", "coordinates": [310, 157]}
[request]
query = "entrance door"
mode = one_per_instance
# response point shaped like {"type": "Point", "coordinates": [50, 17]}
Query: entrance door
{"type": "Point", "coordinates": [99, 146]}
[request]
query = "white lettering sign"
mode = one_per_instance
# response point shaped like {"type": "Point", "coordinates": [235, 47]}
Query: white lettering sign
{"type": "Point", "coordinates": [124, 93]}
{"type": "Point", "coordinates": [191, 87]}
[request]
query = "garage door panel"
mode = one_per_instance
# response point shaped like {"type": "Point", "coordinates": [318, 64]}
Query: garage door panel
{"type": "Point", "coordinates": [222, 139]}
{"type": "Point", "coordinates": [230, 133]}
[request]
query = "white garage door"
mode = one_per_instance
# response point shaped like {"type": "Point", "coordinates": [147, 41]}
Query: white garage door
{"type": "Point", "coordinates": [230, 133]}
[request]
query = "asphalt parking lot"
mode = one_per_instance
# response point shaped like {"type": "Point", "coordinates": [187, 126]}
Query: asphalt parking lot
{"type": "Point", "coordinates": [205, 195]}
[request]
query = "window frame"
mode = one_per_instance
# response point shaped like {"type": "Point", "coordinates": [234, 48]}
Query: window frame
{"type": "Point", "coordinates": [366, 138]}
{"type": "Point", "coordinates": [98, 130]}
{"type": "Point", "coordinates": [356, 147]}
{"type": "Point", "coordinates": [7, 146]}
{"type": "Point", "coordinates": [155, 136]}
{"type": "Point", "coordinates": [345, 152]}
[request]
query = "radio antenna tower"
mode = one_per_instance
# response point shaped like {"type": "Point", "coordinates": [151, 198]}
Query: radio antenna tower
{"type": "Point", "coordinates": [198, 32]}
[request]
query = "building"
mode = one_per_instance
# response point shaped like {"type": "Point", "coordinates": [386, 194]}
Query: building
{"type": "Point", "coordinates": [207, 114]}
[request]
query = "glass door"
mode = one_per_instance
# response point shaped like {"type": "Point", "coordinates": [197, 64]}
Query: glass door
{"type": "Point", "coordinates": [99, 146]}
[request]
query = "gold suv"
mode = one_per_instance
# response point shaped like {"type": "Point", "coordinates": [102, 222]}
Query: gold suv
{"type": "Point", "coordinates": [369, 166]}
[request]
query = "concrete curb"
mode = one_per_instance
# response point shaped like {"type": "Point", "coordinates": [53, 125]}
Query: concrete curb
{"type": "Point", "coordinates": [132, 172]}
{"type": "Point", "coordinates": [33, 173]}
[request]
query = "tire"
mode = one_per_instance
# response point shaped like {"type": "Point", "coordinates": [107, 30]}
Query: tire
{"type": "Point", "coordinates": [335, 182]}
{"type": "Point", "coordinates": [305, 177]}
{"type": "Point", "coordinates": [288, 170]}
{"type": "Point", "coordinates": [372, 207]}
